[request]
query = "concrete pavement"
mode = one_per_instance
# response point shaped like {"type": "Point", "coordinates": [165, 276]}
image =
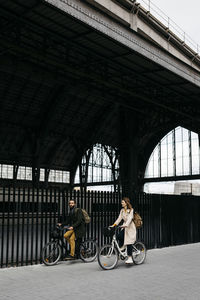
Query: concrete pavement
{"type": "Point", "coordinates": [168, 274]}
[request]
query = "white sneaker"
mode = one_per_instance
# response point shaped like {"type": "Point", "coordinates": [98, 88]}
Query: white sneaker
{"type": "Point", "coordinates": [129, 260]}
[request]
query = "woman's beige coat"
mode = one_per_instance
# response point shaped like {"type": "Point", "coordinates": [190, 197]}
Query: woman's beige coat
{"type": "Point", "coordinates": [130, 230]}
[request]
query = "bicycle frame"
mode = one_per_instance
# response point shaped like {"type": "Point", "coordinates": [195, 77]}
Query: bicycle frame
{"type": "Point", "coordinates": [64, 246]}
{"type": "Point", "coordinates": [115, 244]}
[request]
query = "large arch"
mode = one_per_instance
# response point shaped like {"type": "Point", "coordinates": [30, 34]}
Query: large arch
{"type": "Point", "coordinates": [176, 157]}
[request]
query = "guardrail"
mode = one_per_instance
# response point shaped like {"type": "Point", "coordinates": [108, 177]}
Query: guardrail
{"type": "Point", "coordinates": [155, 11]}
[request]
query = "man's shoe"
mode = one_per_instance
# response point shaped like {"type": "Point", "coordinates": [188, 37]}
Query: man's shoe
{"type": "Point", "coordinates": [129, 260]}
{"type": "Point", "coordinates": [69, 257]}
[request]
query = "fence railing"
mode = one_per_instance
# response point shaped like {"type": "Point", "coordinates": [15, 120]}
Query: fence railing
{"type": "Point", "coordinates": [28, 215]}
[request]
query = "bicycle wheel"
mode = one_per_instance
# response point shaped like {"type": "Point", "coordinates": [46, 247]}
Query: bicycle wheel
{"type": "Point", "coordinates": [51, 253]}
{"type": "Point", "coordinates": [108, 257]}
{"type": "Point", "coordinates": [140, 257]}
{"type": "Point", "coordinates": [88, 250]}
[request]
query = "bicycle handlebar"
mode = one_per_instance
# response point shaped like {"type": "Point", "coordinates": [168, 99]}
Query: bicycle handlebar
{"type": "Point", "coordinates": [61, 227]}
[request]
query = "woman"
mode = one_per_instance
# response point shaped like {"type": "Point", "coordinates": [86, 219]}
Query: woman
{"type": "Point", "coordinates": [127, 235]}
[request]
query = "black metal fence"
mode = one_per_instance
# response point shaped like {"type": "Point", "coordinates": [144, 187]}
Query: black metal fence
{"type": "Point", "coordinates": [27, 216]}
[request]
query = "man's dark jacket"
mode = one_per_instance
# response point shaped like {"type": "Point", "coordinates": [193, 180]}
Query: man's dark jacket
{"type": "Point", "coordinates": [76, 220]}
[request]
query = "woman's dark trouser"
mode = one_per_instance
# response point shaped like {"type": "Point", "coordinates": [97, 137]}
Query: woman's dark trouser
{"type": "Point", "coordinates": [120, 237]}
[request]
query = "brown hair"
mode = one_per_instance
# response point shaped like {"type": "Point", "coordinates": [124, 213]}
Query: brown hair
{"type": "Point", "coordinates": [72, 200]}
{"type": "Point", "coordinates": [127, 200]}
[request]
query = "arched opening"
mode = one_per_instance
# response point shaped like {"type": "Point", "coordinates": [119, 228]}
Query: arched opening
{"type": "Point", "coordinates": [99, 169]}
{"type": "Point", "coordinates": [174, 165]}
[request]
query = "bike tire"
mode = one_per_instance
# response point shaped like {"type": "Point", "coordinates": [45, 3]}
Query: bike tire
{"type": "Point", "coordinates": [107, 259]}
{"type": "Point", "coordinates": [140, 258]}
{"type": "Point", "coordinates": [51, 253]}
{"type": "Point", "coordinates": [88, 251]}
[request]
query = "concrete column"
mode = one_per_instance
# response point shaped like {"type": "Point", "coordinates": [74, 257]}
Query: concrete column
{"type": "Point", "coordinates": [129, 154]}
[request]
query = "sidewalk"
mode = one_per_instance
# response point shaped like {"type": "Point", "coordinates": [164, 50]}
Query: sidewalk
{"type": "Point", "coordinates": [168, 274]}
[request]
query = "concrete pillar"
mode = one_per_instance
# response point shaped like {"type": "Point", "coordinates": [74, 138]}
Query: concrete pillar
{"type": "Point", "coordinates": [129, 154]}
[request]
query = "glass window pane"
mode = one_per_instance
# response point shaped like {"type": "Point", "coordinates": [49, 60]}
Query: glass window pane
{"type": "Point", "coordinates": [163, 151]}
{"type": "Point", "coordinates": [178, 134]}
{"type": "Point", "coordinates": [185, 134]}
{"type": "Point", "coordinates": [186, 148]}
{"type": "Point", "coordinates": [170, 151]}
{"type": "Point", "coordinates": [194, 135]}
{"type": "Point", "coordinates": [179, 150]}
{"type": "Point", "coordinates": [170, 167]}
{"type": "Point", "coordinates": [195, 164]}
{"type": "Point", "coordinates": [186, 165]}
{"type": "Point", "coordinates": [164, 167]}
{"type": "Point", "coordinates": [179, 167]}
{"type": "Point", "coordinates": [195, 147]}
{"type": "Point", "coordinates": [169, 140]}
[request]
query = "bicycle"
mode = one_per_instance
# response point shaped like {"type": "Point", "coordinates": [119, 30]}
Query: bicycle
{"type": "Point", "coordinates": [110, 254]}
{"type": "Point", "coordinates": [87, 250]}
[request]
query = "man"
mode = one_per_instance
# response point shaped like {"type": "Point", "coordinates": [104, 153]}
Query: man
{"type": "Point", "coordinates": [76, 229]}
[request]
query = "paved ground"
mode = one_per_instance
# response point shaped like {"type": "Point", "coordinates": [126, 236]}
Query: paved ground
{"type": "Point", "coordinates": [170, 273]}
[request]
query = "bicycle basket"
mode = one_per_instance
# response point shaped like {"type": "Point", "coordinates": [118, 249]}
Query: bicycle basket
{"type": "Point", "coordinates": [109, 231]}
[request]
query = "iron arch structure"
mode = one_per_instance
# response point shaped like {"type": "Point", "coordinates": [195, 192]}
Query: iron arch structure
{"type": "Point", "coordinates": [99, 166]}
{"type": "Point", "coordinates": [66, 85]}
{"type": "Point", "coordinates": [175, 157]}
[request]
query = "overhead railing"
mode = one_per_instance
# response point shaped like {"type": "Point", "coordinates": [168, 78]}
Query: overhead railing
{"type": "Point", "coordinates": [156, 12]}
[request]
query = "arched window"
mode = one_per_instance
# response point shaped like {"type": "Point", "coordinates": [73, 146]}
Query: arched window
{"type": "Point", "coordinates": [176, 158]}
{"type": "Point", "coordinates": [177, 154]}
{"type": "Point", "coordinates": [100, 165]}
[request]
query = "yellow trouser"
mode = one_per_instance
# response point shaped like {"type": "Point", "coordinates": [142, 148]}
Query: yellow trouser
{"type": "Point", "coordinates": [70, 237]}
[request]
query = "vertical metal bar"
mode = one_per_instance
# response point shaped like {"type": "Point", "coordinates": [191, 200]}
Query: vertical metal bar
{"type": "Point", "coordinates": [59, 207]}
{"type": "Point", "coordinates": [32, 223]}
{"type": "Point", "coordinates": [159, 160]}
{"type": "Point", "coordinates": [99, 214]}
{"type": "Point", "coordinates": [18, 225]}
{"type": "Point", "coordinates": [2, 228]}
{"type": "Point", "coordinates": [55, 208]}
{"type": "Point", "coordinates": [190, 152]}
{"type": "Point", "coordinates": [90, 199]}
{"type": "Point", "coordinates": [8, 229]}
{"type": "Point", "coordinates": [182, 149]}
{"type": "Point", "coordinates": [50, 211]}
{"type": "Point", "coordinates": [22, 205]}
{"type": "Point", "coordinates": [36, 212]}
{"type": "Point", "coordinates": [13, 226]}
{"type": "Point", "coordinates": [103, 196]}
{"type": "Point", "coordinates": [46, 215]}
{"type": "Point", "coordinates": [27, 225]}
{"type": "Point", "coordinates": [94, 213]}
{"type": "Point", "coordinates": [41, 218]}
{"type": "Point", "coordinates": [85, 198]}
{"type": "Point", "coordinates": [174, 151]}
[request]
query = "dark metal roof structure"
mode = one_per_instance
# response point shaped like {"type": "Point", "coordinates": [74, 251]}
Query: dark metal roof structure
{"type": "Point", "coordinates": [63, 84]}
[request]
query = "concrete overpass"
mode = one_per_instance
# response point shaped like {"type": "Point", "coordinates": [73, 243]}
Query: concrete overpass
{"type": "Point", "coordinates": [74, 73]}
